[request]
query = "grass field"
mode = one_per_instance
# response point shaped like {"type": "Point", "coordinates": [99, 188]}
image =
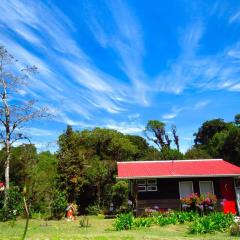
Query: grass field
{"type": "Point", "coordinates": [100, 229]}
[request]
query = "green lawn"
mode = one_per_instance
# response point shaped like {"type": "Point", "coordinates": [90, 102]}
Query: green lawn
{"type": "Point", "coordinates": [100, 229]}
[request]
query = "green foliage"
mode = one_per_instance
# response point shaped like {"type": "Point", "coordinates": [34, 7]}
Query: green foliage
{"type": "Point", "coordinates": [211, 223]}
{"type": "Point", "coordinates": [197, 153]}
{"type": "Point", "coordinates": [124, 221]}
{"type": "Point", "coordinates": [14, 206]}
{"type": "Point", "coordinates": [23, 159]}
{"type": "Point", "coordinates": [166, 219]}
{"type": "Point", "coordinates": [93, 209]}
{"type": "Point", "coordinates": [143, 222]}
{"type": "Point", "coordinates": [84, 222]}
{"type": "Point", "coordinates": [127, 221]}
{"type": "Point", "coordinates": [237, 119]}
{"type": "Point", "coordinates": [43, 182]}
{"type": "Point", "coordinates": [120, 193]}
{"type": "Point", "coordinates": [235, 229]}
{"type": "Point", "coordinates": [208, 130]}
{"type": "Point", "coordinates": [171, 154]}
{"type": "Point", "coordinates": [59, 204]}
{"type": "Point", "coordinates": [183, 217]}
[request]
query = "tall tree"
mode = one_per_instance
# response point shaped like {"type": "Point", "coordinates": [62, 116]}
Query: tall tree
{"type": "Point", "coordinates": [14, 114]}
{"type": "Point", "coordinates": [237, 119]}
{"type": "Point", "coordinates": [155, 131]}
{"type": "Point", "coordinates": [208, 130]}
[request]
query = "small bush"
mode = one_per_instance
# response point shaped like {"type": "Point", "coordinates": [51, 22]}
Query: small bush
{"type": "Point", "coordinates": [183, 217]}
{"type": "Point", "coordinates": [163, 219]}
{"type": "Point", "coordinates": [235, 229]}
{"type": "Point", "coordinates": [143, 222]}
{"type": "Point", "coordinates": [211, 223]}
{"type": "Point", "coordinates": [14, 206]}
{"type": "Point", "coordinates": [84, 222]}
{"type": "Point", "coordinates": [59, 205]}
{"type": "Point", "coordinates": [124, 221]}
{"type": "Point", "coordinates": [93, 209]}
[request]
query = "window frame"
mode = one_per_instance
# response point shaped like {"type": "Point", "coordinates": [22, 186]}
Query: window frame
{"type": "Point", "coordinates": [147, 185]}
{"type": "Point", "coordinates": [179, 183]}
{"type": "Point", "coordinates": [213, 192]}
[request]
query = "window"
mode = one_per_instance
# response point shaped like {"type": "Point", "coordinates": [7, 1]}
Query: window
{"type": "Point", "coordinates": [141, 185]}
{"type": "Point", "coordinates": [149, 185]}
{"type": "Point", "coordinates": [206, 187]}
{"type": "Point", "coordinates": [185, 188]}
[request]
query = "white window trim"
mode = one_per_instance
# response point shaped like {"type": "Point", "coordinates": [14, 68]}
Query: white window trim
{"type": "Point", "coordinates": [152, 190]}
{"type": "Point", "coordinates": [206, 181]}
{"type": "Point", "coordinates": [154, 183]}
{"type": "Point", "coordinates": [142, 190]}
{"type": "Point", "coordinates": [179, 184]}
{"type": "Point", "coordinates": [145, 184]}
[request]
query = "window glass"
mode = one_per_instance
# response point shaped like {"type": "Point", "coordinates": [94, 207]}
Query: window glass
{"type": "Point", "coordinates": [206, 187]}
{"type": "Point", "coordinates": [152, 181]}
{"type": "Point", "coordinates": [152, 188]}
{"type": "Point", "coordinates": [185, 189]}
{"type": "Point", "coordinates": [141, 188]}
{"type": "Point", "coordinates": [141, 182]}
{"type": "Point", "coordinates": [147, 185]}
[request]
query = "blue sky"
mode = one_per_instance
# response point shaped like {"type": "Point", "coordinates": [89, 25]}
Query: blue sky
{"type": "Point", "coordinates": [117, 64]}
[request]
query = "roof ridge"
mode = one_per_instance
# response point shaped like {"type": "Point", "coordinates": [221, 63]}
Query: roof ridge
{"type": "Point", "coordinates": [185, 160]}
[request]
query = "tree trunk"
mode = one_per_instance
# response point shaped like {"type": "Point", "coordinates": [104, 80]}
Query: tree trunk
{"type": "Point", "coordinates": [99, 193]}
{"type": "Point", "coordinates": [7, 178]}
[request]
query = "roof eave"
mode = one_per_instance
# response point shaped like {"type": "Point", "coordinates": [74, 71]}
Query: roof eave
{"type": "Point", "coordinates": [181, 176]}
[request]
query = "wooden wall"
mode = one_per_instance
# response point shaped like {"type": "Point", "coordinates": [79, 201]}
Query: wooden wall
{"type": "Point", "coordinates": [168, 196]}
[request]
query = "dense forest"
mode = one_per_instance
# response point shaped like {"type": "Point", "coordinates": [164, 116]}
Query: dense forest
{"type": "Point", "coordinates": [83, 170]}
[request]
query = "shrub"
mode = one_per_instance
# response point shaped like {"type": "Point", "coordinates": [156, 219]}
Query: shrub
{"type": "Point", "coordinates": [120, 194]}
{"type": "Point", "coordinates": [124, 221]}
{"type": "Point", "coordinates": [84, 222]}
{"type": "Point", "coordinates": [235, 229]}
{"type": "Point", "coordinates": [93, 209]}
{"type": "Point", "coordinates": [143, 222]}
{"type": "Point", "coordinates": [165, 219]}
{"type": "Point", "coordinates": [183, 217]}
{"type": "Point", "coordinates": [14, 206]}
{"type": "Point", "coordinates": [59, 205]}
{"type": "Point", "coordinates": [211, 223]}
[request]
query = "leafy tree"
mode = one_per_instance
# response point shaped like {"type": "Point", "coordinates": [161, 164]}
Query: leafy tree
{"type": "Point", "coordinates": [70, 164]}
{"type": "Point", "coordinates": [156, 132]}
{"type": "Point", "coordinates": [171, 154]}
{"type": "Point", "coordinates": [231, 147]}
{"type": "Point", "coordinates": [43, 181]}
{"type": "Point", "coordinates": [96, 174]}
{"type": "Point", "coordinates": [197, 153]}
{"type": "Point", "coordinates": [237, 119]}
{"type": "Point", "coordinates": [208, 130]}
{"type": "Point", "coordinates": [120, 193]}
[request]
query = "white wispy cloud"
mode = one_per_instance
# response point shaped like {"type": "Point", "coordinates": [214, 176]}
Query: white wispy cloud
{"type": "Point", "coordinates": [201, 104]}
{"type": "Point", "coordinates": [68, 77]}
{"type": "Point", "coordinates": [125, 127]}
{"type": "Point", "coordinates": [124, 35]}
{"type": "Point", "coordinates": [234, 17]}
{"type": "Point", "coordinates": [206, 72]}
{"type": "Point", "coordinates": [171, 115]}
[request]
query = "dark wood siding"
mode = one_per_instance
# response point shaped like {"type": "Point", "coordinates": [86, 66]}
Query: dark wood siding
{"type": "Point", "coordinates": [169, 188]}
{"type": "Point", "coordinates": [167, 195]}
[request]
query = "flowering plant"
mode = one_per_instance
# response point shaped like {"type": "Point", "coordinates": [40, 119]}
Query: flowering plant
{"type": "Point", "coordinates": [209, 199]}
{"type": "Point", "coordinates": [205, 199]}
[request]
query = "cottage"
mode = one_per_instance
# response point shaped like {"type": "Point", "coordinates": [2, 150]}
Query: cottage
{"type": "Point", "coordinates": [162, 184]}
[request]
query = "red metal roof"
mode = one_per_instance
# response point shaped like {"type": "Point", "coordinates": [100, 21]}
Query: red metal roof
{"type": "Point", "coordinates": [177, 168]}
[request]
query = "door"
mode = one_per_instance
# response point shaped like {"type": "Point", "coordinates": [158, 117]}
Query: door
{"type": "Point", "coordinates": [228, 195]}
